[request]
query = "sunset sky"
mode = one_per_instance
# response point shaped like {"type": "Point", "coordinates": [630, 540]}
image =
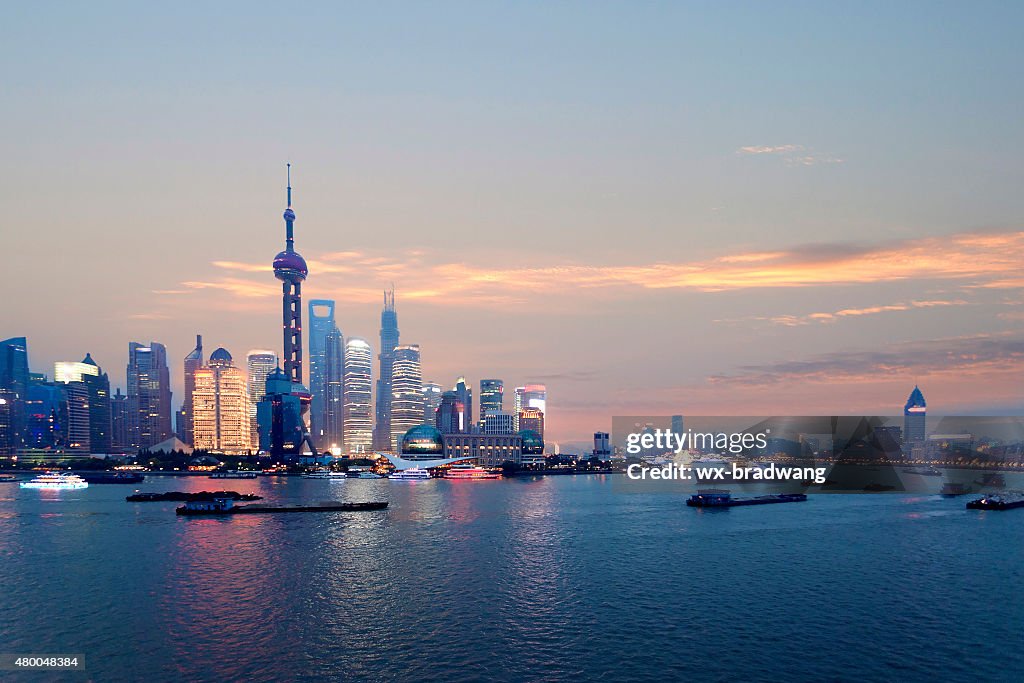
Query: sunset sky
{"type": "Point", "coordinates": [653, 208]}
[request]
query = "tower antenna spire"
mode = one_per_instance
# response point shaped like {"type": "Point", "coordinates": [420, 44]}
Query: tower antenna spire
{"type": "Point", "coordinates": [289, 185]}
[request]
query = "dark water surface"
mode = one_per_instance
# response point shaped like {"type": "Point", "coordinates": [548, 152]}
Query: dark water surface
{"type": "Point", "coordinates": [556, 579]}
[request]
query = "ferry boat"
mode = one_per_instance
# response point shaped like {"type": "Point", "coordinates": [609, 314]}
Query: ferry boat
{"type": "Point", "coordinates": [412, 474]}
{"type": "Point", "coordinates": [56, 480]}
{"type": "Point", "coordinates": [464, 470]}
{"type": "Point", "coordinates": [358, 473]}
{"type": "Point", "coordinates": [325, 474]}
{"type": "Point", "coordinates": [234, 474]}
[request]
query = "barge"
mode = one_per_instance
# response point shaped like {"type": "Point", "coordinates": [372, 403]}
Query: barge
{"type": "Point", "coordinates": [721, 498]}
{"type": "Point", "coordinates": [226, 506]}
{"type": "Point", "coordinates": [998, 501]}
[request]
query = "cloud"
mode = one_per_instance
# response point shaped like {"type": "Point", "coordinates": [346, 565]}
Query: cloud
{"type": "Point", "coordinates": [960, 356]}
{"type": "Point", "coordinates": [792, 155]}
{"type": "Point", "coordinates": [830, 317]}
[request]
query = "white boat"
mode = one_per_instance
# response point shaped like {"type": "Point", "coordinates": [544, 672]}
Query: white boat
{"type": "Point", "coordinates": [362, 474]}
{"type": "Point", "coordinates": [411, 474]}
{"type": "Point", "coordinates": [325, 474]}
{"type": "Point", "coordinates": [56, 480]}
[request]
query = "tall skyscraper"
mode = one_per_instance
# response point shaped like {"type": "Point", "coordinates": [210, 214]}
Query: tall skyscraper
{"type": "Point", "coordinates": [193, 363]}
{"type": "Point", "coordinates": [326, 350]}
{"type": "Point", "coordinates": [290, 268]}
{"type": "Point", "coordinates": [97, 386]}
{"type": "Point", "coordinates": [77, 396]}
{"type": "Point", "coordinates": [382, 432]}
{"type": "Point", "coordinates": [914, 419]}
{"type": "Point", "coordinates": [334, 413]}
{"type": "Point", "coordinates": [529, 396]}
{"type": "Point", "coordinates": [149, 394]}
{"type": "Point", "coordinates": [532, 419]}
{"type": "Point", "coordinates": [465, 394]}
{"type": "Point", "coordinates": [492, 393]}
{"type": "Point", "coordinates": [358, 384]}
{"type": "Point", "coordinates": [14, 380]}
{"type": "Point", "coordinates": [406, 393]}
{"type": "Point", "coordinates": [259, 363]}
{"type": "Point", "coordinates": [120, 442]}
{"type": "Point", "coordinates": [431, 401]}
{"type": "Point", "coordinates": [220, 414]}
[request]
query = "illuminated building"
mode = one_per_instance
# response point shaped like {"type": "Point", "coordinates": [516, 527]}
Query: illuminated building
{"type": "Point", "coordinates": [119, 441]}
{"type": "Point", "coordinates": [220, 414]}
{"type": "Point", "coordinates": [383, 436]}
{"type": "Point", "coordinates": [406, 392]}
{"type": "Point", "coordinates": [326, 367]}
{"type": "Point", "coordinates": [533, 420]}
{"type": "Point", "coordinates": [258, 363]}
{"type": "Point", "coordinates": [279, 415]}
{"type": "Point", "coordinates": [492, 394]}
{"type": "Point", "coordinates": [14, 379]}
{"type": "Point", "coordinates": [465, 395]}
{"type": "Point", "coordinates": [8, 444]}
{"type": "Point", "coordinates": [422, 442]}
{"type": "Point", "coordinates": [602, 446]}
{"type": "Point", "coordinates": [431, 402]}
{"type": "Point", "coordinates": [193, 363]}
{"type": "Point", "coordinates": [451, 415]}
{"type": "Point", "coordinates": [489, 450]}
{"type": "Point", "coordinates": [358, 384]}
{"type": "Point", "coordinates": [149, 394]}
{"type": "Point", "coordinates": [533, 449]}
{"type": "Point", "coordinates": [290, 268]}
{"type": "Point", "coordinates": [914, 418]}
{"type": "Point", "coordinates": [498, 422]}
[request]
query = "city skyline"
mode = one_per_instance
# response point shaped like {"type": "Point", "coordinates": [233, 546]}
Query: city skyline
{"type": "Point", "coordinates": [612, 223]}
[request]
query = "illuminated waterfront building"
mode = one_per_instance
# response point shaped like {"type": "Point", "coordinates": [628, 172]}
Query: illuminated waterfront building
{"type": "Point", "coordinates": [220, 416]}
{"type": "Point", "coordinates": [533, 449]}
{"type": "Point", "coordinates": [149, 394]}
{"type": "Point", "coordinates": [492, 394]}
{"type": "Point", "coordinates": [431, 401]}
{"type": "Point", "coordinates": [333, 435]}
{"type": "Point", "coordinates": [914, 422]}
{"type": "Point", "coordinates": [532, 419]}
{"type": "Point", "coordinates": [326, 353]}
{"type": "Point", "coordinates": [193, 363]}
{"type": "Point", "coordinates": [358, 385]}
{"type": "Point", "coordinates": [406, 392]}
{"type": "Point", "coordinates": [489, 450]}
{"type": "Point", "coordinates": [14, 379]}
{"type": "Point", "coordinates": [383, 436]}
{"type": "Point", "coordinates": [98, 399]}
{"type": "Point", "coordinates": [258, 363]}
{"type": "Point", "coordinates": [465, 395]}
{"type": "Point", "coordinates": [422, 442]}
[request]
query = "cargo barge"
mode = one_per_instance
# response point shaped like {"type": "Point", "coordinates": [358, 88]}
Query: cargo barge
{"type": "Point", "coordinates": [226, 506]}
{"type": "Point", "coordinates": [998, 501]}
{"type": "Point", "coordinates": [720, 498]}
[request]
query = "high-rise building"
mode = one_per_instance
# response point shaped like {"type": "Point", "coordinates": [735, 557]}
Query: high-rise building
{"type": "Point", "coordinates": [8, 446]}
{"type": "Point", "coordinates": [406, 393]}
{"type": "Point", "coordinates": [77, 397]}
{"type": "Point", "coordinates": [451, 415]}
{"type": "Point", "coordinates": [279, 414]}
{"type": "Point", "coordinates": [465, 395]}
{"type": "Point", "coordinates": [14, 379]}
{"type": "Point", "coordinates": [193, 363]}
{"type": "Point", "coordinates": [382, 432]}
{"type": "Point", "coordinates": [431, 401]}
{"type": "Point", "coordinates": [532, 419]}
{"type": "Point", "coordinates": [326, 351]}
{"type": "Point", "coordinates": [492, 394]}
{"type": "Point", "coordinates": [358, 384]}
{"type": "Point", "coordinates": [498, 422]}
{"type": "Point", "coordinates": [258, 363]}
{"type": "Point", "coordinates": [98, 398]}
{"type": "Point", "coordinates": [334, 413]}
{"type": "Point", "coordinates": [914, 419]}
{"type": "Point", "coordinates": [149, 394]}
{"type": "Point", "coordinates": [529, 396]}
{"type": "Point", "coordinates": [220, 414]}
{"type": "Point", "coordinates": [603, 447]}
{"type": "Point", "coordinates": [290, 268]}
{"type": "Point", "coordinates": [46, 409]}
{"type": "Point", "coordinates": [119, 439]}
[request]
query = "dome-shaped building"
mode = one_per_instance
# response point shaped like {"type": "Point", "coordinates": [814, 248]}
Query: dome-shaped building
{"type": "Point", "coordinates": [221, 357]}
{"type": "Point", "coordinates": [422, 442]}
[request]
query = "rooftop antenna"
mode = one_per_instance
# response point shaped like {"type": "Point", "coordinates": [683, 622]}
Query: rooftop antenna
{"type": "Point", "coordinates": [289, 185]}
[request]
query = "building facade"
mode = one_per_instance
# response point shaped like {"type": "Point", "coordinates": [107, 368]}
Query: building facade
{"type": "Point", "coordinates": [490, 450]}
{"type": "Point", "coordinates": [492, 395]}
{"type": "Point", "coordinates": [356, 395]}
{"type": "Point", "coordinates": [221, 417]}
{"type": "Point", "coordinates": [149, 394]}
{"type": "Point", "coordinates": [406, 393]}
{"type": "Point", "coordinates": [383, 437]}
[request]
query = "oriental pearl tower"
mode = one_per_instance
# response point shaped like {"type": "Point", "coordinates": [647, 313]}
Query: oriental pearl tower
{"type": "Point", "coordinates": [290, 268]}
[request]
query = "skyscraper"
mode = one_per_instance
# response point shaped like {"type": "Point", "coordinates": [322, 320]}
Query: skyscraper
{"type": "Point", "coordinates": [451, 415]}
{"type": "Point", "coordinates": [259, 363]}
{"type": "Point", "coordinates": [465, 394]}
{"type": "Point", "coordinates": [498, 422]}
{"type": "Point", "coordinates": [220, 416]}
{"type": "Point", "coordinates": [149, 394]}
{"type": "Point", "coordinates": [431, 401]}
{"type": "Point", "coordinates": [325, 410]}
{"type": "Point", "coordinates": [290, 268]}
{"type": "Point", "coordinates": [382, 432]}
{"type": "Point", "coordinates": [333, 436]}
{"type": "Point", "coordinates": [97, 386]}
{"type": "Point", "coordinates": [492, 392]}
{"type": "Point", "coordinates": [406, 393]}
{"type": "Point", "coordinates": [193, 363]}
{"type": "Point", "coordinates": [358, 384]}
{"type": "Point", "coordinates": [914, 418]}
{"type": "Point", "coordinates": [532, 419]}
{"type": "Point", "coordinates": [14, 380]}
{"type": "Point", "coordinates": [120, 442]}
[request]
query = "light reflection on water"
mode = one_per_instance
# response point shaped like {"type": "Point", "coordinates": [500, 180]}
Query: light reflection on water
{"type": "Point", "coordinates": [555, 578]}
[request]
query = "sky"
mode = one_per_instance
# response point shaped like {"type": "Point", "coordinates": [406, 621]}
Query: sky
{"type": "Point", "coordinates": [653, 208]}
